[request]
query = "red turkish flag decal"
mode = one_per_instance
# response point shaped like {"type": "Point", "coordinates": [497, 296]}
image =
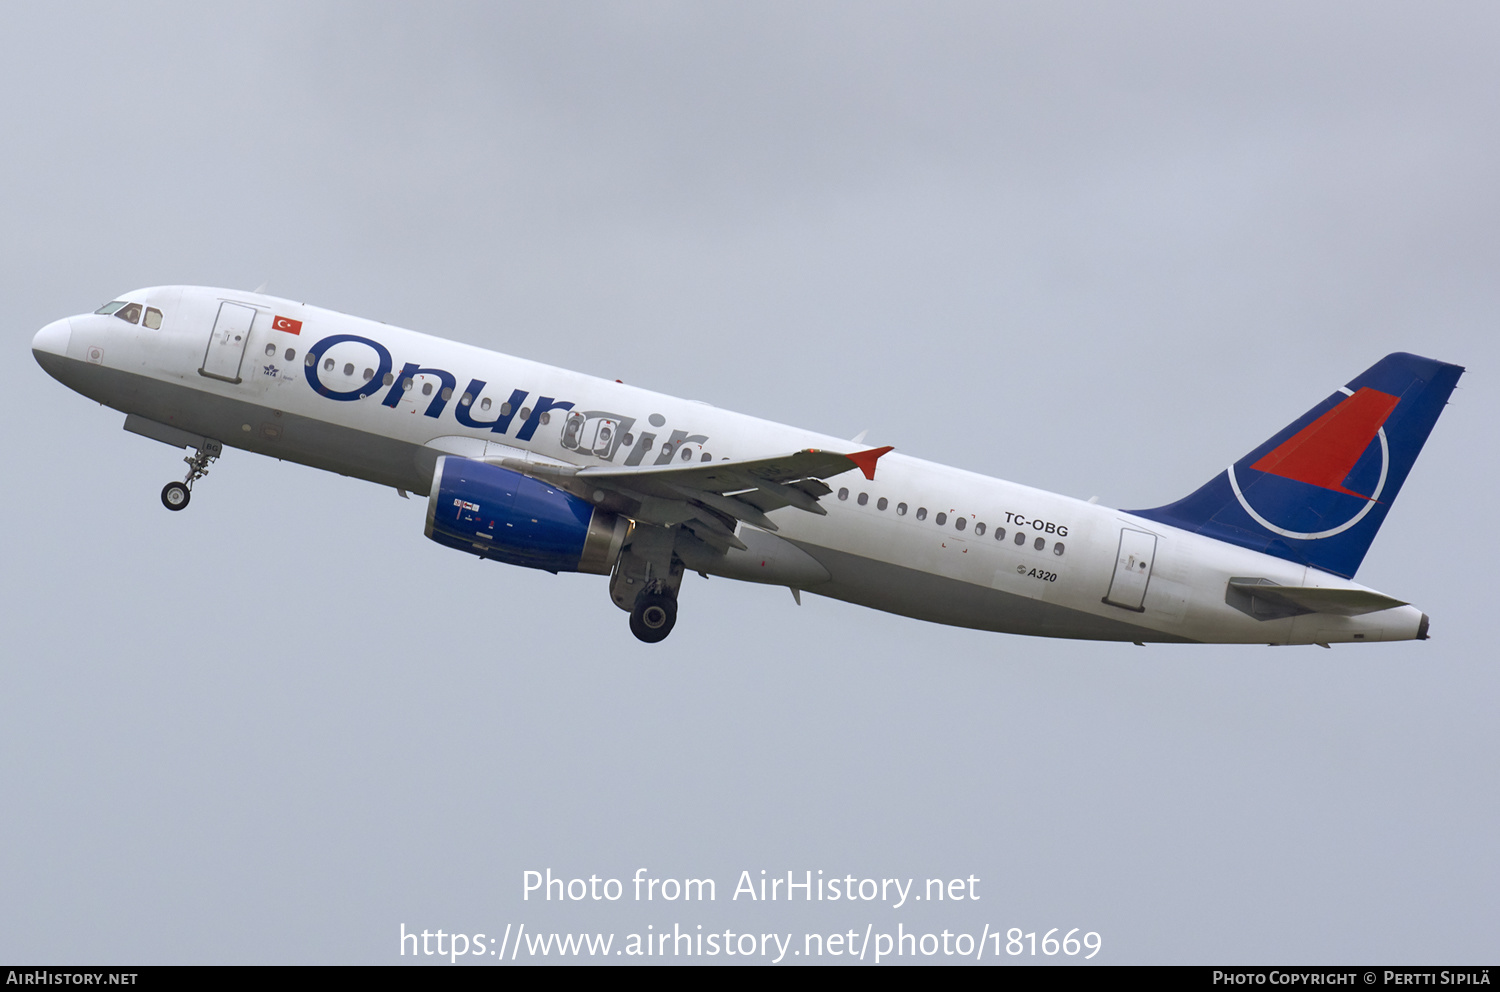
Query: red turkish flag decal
{"type": "Point", "coordinates": [287, 324]}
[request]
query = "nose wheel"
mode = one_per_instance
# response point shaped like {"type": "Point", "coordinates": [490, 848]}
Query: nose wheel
{"type": "Point", "coordinates": [176, 495]}
{"type": "Point", "coordinates": [653, 616]}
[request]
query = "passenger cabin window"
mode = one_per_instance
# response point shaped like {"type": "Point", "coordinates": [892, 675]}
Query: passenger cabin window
{"type": "Point", "coordinates": [940, 519]}
{"type": "Point", "coordinates": [484, 404]}
{"type": "Point", "coordinates": [999, 533]}
{"type": "Point", "coordinates": [153, 318]}
{"type": "Point", "coordinates": [921, 513]}
{"type": "Point", "coordinates": [291, 354]}
{"type": "Point", "coordinates": [1057, 549]}
{"type": "Point", "coordinates": [1041, 543]}
{"type": "Point", "coordinates": [843, 494]}
{"type": "Point", "coordinates": [1020, 539]}
{"type": "Point", "coordinates": [882, 503]}
{"type": "Point", "coordinates": [864, 499]}
{"type": "Point", "coordinates": [979, 529]}
{"type": "Point", "coordinates": [959, 523]}
{"type": "Point", "coordinates": [900, 509]}
{"type": "Point", "coordinates": [270, 351]}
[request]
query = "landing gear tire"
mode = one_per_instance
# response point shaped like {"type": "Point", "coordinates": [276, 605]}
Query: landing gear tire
{"type": "Point", "coordinates": [175, 496]}
{"type": "Point", "coordinates": [653, 616]}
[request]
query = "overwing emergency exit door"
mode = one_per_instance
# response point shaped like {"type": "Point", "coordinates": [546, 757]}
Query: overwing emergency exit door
{"type": "Point", "coordinates": [1127, 589]}
{"type": "Point", "coordinates": [226, 346]}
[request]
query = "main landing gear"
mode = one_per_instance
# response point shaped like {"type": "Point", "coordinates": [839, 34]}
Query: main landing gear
{"type": "Point", "coordinates": [645, 581]}
{"type": "Point", "coordinates": [654, 614]}
{"type": "Point", "coordinates": [175, 495]}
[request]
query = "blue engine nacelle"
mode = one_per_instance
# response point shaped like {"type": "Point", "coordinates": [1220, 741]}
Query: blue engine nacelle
{"type": "Point", "coordinates": [495, 513]}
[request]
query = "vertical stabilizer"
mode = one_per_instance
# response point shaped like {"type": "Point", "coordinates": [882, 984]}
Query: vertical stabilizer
{"type": "Point", "coordinates": [1317, 492]}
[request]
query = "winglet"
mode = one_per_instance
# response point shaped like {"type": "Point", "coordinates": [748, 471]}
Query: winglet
{"type": "Point", "coordinates": [866, 460]}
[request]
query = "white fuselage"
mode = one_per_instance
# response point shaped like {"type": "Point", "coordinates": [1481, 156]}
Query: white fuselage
{"type": "Point", "coordinates": [1025, 561]}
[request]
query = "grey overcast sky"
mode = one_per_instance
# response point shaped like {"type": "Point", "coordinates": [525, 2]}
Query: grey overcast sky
{"type": "Point", "coordinates": [1100, 248]}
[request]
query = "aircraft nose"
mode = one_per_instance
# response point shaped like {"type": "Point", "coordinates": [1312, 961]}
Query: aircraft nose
{"type": "Point", "coordinates": [53, 339]}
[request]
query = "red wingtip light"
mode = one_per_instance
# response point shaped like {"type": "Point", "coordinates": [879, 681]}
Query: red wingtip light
{"type": "Point", "coordinates": [866, 460]}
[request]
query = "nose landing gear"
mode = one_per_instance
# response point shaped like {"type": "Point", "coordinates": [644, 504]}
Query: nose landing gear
{"type": "Point", "coordinates": [175, 495]}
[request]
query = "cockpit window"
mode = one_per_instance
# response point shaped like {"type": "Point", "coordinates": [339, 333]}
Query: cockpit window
{"type": "Point", "coordinates": [111, 307]}
{"type": "Point", "coordinates": [130, 312]}
{"type": "Point", "coordinates": [153, 318]}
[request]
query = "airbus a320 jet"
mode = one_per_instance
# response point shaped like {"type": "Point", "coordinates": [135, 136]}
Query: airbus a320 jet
{"type": "Point", "coordinates": [550, 469]}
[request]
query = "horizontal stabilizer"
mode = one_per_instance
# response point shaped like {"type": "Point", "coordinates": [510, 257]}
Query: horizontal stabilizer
{"type": "Point", "coordinates": [1264, 600]}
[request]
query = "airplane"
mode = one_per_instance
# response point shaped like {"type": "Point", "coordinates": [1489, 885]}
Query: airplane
{"type": "Point", "coordinates": [550, 469]}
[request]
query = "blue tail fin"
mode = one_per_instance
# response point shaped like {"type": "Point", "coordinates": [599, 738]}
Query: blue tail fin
{"type": "Point", "coordinates": [1317, 492]}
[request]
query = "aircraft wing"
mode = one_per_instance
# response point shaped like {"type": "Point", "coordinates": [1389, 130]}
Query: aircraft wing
{"type": "Point", "coordinates": [708, 498]}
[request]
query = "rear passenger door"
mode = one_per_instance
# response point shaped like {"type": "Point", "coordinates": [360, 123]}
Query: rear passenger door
{"type": "Point", "coordinates": [1127, 588]}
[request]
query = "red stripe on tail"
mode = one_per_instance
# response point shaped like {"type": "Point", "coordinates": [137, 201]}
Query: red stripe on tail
{"type": "Point", "coordinates": [1324, 452]}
